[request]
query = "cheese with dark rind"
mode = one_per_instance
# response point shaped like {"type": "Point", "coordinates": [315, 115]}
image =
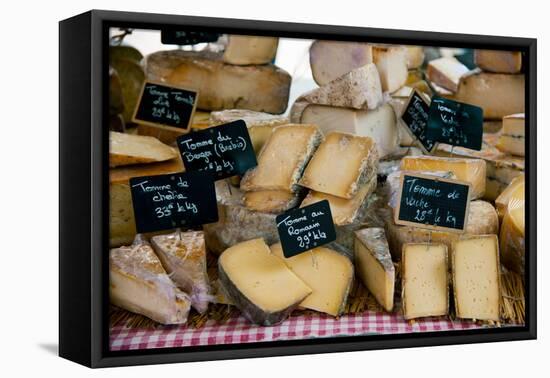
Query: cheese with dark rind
{"type": "Point", "coordinates": [139, 283]}
{"type": "Point", "coordinates": [327, 272]}
{"type": "Point", "coordinates": [128, 149]}
{"type": "Point", "coordinates": [183, 255]}
{"type": "Point", "coordinates": [512, 135]}
{"type": "Point", "coordinates": [374, 265]}
{"type": "Point", "coordinates": [263, 88]}
{"type": "Point", "coordinates": [342, 164]}
{"type": "Point", "coordinates": [476, 277]}
{"type": "Point", "coordinates": [131, 76]}
{"type": "Point", "coordinates": [259, 283]}
{"type": "Point", "coordinates": [498, 61]}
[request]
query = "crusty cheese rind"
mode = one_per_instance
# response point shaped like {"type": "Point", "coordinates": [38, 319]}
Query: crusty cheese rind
{"type": "Point", "coordinates": [128, 149]}
{"type": "Point", "coordinates": [270, 201]}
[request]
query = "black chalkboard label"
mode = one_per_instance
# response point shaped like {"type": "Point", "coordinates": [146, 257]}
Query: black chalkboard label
{"type": "Point", "coordinates": [163, 105]}
{"type": "Point", "coordinates": [176, 200]}
{"type": "Point", "coordinates": [455, 123]}
{"type": "Point", "coordinates": [415, 117]}
{"type": "Point", "coordinates": [182, 37]}
{"type": "Point", "coordinates": [223, 151]}
{"type": "Point", "coordinates": [434, 203]}
{"type": "Point", "coordinates": [305, 228]}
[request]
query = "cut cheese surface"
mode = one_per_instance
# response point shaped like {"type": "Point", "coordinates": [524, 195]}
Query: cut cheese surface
{"type": "Point", "coordinates": [498, 61]}
{"type": "Point", "coordinates": [446, 72]}
{"type": "Point", "coordinates": [332, 59]}
{"type": "Point", "coordinates": [259, 283]}
{"type": "Point", "coordinates": [270, 201]}
{"type": "Point", "coordinates": [415, 56]}
{"type": "Point", "coordinates": [512, 135]}
{"type": "Point", "coordinates": [379, 124]}
{"type": "Point", "coordinates": [344, 211]}
{"type": "Point", "coordinates": [283, 158]}
{"type": "Point", "coordinates": [469, 170]}
{"type": "Point", "coordinates": [183, 255]}
{"type": "Point", "coordinates": [328, 273]}
{"type": "Point", "coordinates": [391, 62]}
{"type": "Point", "coordinates": [127, 149]}
{"type": "Point", "coordinates": [504, 198]}
{"type": "Point", "coordinates": [138, 283]}
{"type": "Point", "coordinates": [341, 165]}
{"type": "Point", "coordinates": [512, 232]}
{"type": "Point", "coordinates": [425, 291]}
{"type": "Point", "coordinates": [374, 265]}
{"type": "Point", "coordinates": [246, 49]}
{"type": "Point", "coordinates": [476, 277]}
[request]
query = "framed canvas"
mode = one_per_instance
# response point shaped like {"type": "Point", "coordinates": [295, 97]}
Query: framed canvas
{"type": "Point", "coordinates": [235, 188]}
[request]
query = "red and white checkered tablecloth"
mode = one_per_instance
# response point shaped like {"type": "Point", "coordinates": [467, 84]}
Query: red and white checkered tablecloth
{"type": "Point", "coordinates": [239, 330]}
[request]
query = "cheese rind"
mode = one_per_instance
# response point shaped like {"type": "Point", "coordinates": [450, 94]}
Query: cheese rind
{"type": "Point", "coordinates": [379, 124]}
{"type": "Point", "coordinates": [328, 273]}
{"type": "Point", "coordinates": [512, 135]}
{"type": "Point", "coordinates": [472, 171]}
{"type": "Point", "coordinates": [476, 277]}
{"type": "Point", "coordinates": [183, 256]}
{"type": "Point", "coordinates": [512, 232]}
{"type": "Point", "coordinates": [263, 88]}
{"type": "Point", "coordinates": [425, 289]}
{"type": "Point", "coordinates": [498, 61]}
{"type": "Point", "coordinates": [127, 149]}
{"type": "Point", "coordinates": [259, 283]}
{"type": "Point", "coordinates": [246, 49]}
{"type": "Point", "coordinates": [374, 265]}
{"type": "Point", "coordinates": [270, 201]}
{"type": "Point", "coordinates": [283, 158]}
{"type": "Point", "coordinates": [342, 164]}
{"type": "Point", "coordinates": [138, 283]}
{"type": "Point", "coordinates": [446, 72]}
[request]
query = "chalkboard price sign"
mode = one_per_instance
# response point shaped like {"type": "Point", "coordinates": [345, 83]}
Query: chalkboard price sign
{"type": "Point", "coordinates": [305, 228]}
{"type": "Point", "coordinates": [176, 200]}
{"type": "Point", "coordinates": [434, 203]}
{"type": "Point", "coordinates": [415, 117]}
{"type": "Point", "coordinates": [455, 123]}
{"type": "Point", "coordinates": [168, 106]}
{"type": "Point", "coordinates": [224, 150]}
{"type": "Point", "coordinates": [180, 37]}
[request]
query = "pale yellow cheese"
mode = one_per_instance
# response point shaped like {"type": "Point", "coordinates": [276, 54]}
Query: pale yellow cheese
{"type": "Point", "coordinates": [328, 273]}
{"type": "Point", "coordinates": [512, 135]}
{"type": "Point", "coordinates": [341, 165]}
{"type": "Point", "coordinates": [503, 199]}
{"type": "Point", "coordinates": [472, 171]}
{"type": "Point", "coordinates": [476, 277]}
{"type": "Point", "coordinates": [498, 61]}
{"type": "Point", "coordinates": [127, 149]}
{"type": "Point", "coordinates": [270, 201]}
{"type": "Point", "coordinates": [282, 158]}
{"type": "Point", "coordinates": [246, 49]}
{"type": "Point", "coordinates": [374, 265]}
{"type": "Point", "coordinates": [415, 56]}
{"type": "Point", "coordinates": [512, 232]}
{"type": "Point", "coordinates": [425, 289]}
{"type": "Point", "coordinates": [391, 62]}
{"type": "Point", "coordinates": [446, 72]}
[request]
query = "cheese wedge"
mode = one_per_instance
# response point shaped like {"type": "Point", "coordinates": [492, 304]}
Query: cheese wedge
{"type": "Point", "coordinates": [246, 49]}
{"type": "Point", "coordinates": [259, 283]}
{"type": "Point", "coordinates": [415, 57]}
{"type": "Point", "coordinates": [270, 201]}
{"type": "Point", "coordinates": [446, 72]}
{"type": "Point", "coordinates": [391, 62]}
{"type": "Point", "coordinates": [469, 170]}
{"type": "Point", "coordinates": [342, 165]}
{"type": "Point", "coordinates": [482, 220]}
{"type": "Point", "coordinates": [283, 158]}
{"type": "Point", "coordinates": [127, 149]}
{"type": "Point", "coordinates": [332, 59]}
{"type": "Point", "coordinates": [263, 88]}
{"type": "Point", "coordinates": [476, 277]}
{"type": "Point", "coordinates": [503, 199]}
{"type": "Point", "coordinates": [359, 89]}
{"type": "Point", "coordinates": [512, 135]}
{"type": "Point", "coordinates": [122, 224]}
{"type": "Point", "coordinates": [425, 291]}
{"type": "Point", "coordinates": [328, 273]}
{"type": "Point", "coordinates": [344, 211]}
{"type": "Point", "coordinates": [183, 255]}
{"type": "Point", "coordinates": [374, 265]}
{"type": "Point", "coordinates": [138, 283]}
{"type": "Point", "coordinates": [498, 61]}
{"type": "Point", "coordinates": [379, 124]}
{"type": "Point", "coordinates": [498, 94]}
{"type": "Point", "coordinates": [512, 232]}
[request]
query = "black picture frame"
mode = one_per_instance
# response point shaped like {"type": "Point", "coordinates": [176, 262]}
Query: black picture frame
{"type": "Point", "coordinates": [84, 201]}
